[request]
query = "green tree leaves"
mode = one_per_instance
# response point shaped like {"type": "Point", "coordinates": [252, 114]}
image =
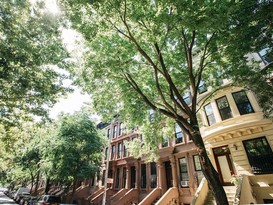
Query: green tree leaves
{"type": "Point", "coordinates": [31, 54]}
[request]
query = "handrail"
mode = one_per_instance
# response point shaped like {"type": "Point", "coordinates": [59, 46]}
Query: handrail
{"type": "Point", "coordinates": [151, 197]}
{"type": "Point", "coordinates": [170, 197]}
{"type": "Point", "coordinates": [129, 196]}
{"type": "Point", "coordinates": [201, 193]}
{"type": "Point", "coordinates": [238, 190]}
{"type": "Point", "coordinates": [116, 196]}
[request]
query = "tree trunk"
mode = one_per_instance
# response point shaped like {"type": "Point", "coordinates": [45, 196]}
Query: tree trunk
{"type": "Point", "coordinates": [47, 187]}
{"type": "Point", "coordinates": [209, 171]}
{"type": "Point", "coordinates": [37, 183]}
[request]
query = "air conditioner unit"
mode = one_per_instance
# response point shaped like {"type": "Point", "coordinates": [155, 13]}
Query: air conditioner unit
{"type": "Point", "coordinates": [184, 183]}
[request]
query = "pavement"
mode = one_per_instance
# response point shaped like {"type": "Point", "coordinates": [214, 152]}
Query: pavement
{"type": "Point", "coordinates": [5, 200]}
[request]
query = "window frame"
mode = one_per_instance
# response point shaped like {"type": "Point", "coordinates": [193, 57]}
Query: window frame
{"type": "Point", "coordinates": [177, 132]}
{"type": "Point", "coordinates": [246, 102]}
{"type": "Point", "coordinates": [209, 122]}
{"type": "Point", "coordinates": [143, 175]}
{"type": "Point", "coordinates": [113, 152]}
{"type": "Point", "coordinates": [182, 173]}
{"type": "Point", "coordinates": [221, 110]}
{"type": "Point", "coordinates": [153, 172]}
{"type": "Point", "coordinates": [119, 154]}
{"type": "Point", "coordinates": [115, 129]}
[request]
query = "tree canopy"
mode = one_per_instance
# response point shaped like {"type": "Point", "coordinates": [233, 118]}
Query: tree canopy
{"type": "Point", "coordinates": [31, 58]}
{"type": "Point", "coordinates": [149, 54]}
{"type": "Point", "coordinates": [63, 151]}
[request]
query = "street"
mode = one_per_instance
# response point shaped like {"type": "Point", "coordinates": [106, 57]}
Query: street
{"type": "Point", "coordinates": [4, 200]}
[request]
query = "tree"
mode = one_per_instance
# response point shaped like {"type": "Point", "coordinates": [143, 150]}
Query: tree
{"type": "Point", "coordinates": [31, 57]}
{"type": "Point", "coordinates": [77, 155]}
{"type": "Point", "coordinates": [148, 54]}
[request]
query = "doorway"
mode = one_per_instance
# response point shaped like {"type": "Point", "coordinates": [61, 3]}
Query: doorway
{"type": "Point", "coordinates": [224, 164]}
{"type": "Point", "coordinates": [169, 176]}
{"type": "Point", "coordinates": [133, 177]}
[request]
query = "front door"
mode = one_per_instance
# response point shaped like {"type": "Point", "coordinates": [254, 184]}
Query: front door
{"type": "Point", "coordinates": [169, 176]}
{"type": "Point", "coordinates": [224, 164]}
{"type": "Point", "coordinates": [133, 177]}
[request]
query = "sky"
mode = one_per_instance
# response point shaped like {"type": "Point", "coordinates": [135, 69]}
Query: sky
{"type": "Point", "coordinates": [73, 102]}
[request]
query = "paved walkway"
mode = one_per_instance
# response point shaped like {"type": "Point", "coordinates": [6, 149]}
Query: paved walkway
{"type": "Point", "coordinates": [4, 200]}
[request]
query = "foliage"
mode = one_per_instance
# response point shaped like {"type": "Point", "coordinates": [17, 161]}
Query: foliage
{"type": "Point", "coordinates": [149, 54]}
{"type": "Point", "coordinates": [31, 57]}
{"type": "Point", "coordinates": [62, 151]}
{"type": "Point", "coordinates": [77, 152]}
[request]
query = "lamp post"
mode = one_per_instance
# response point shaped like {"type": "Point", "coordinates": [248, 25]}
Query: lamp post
{"type": "Point", "coordinates": [106, 170]}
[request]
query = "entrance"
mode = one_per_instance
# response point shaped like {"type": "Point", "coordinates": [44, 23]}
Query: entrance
{"type": "Point", "coordinates": [224, 164]}
{"type": "Point", "coordinates": [169, 176]}
{"type": "Point", "coordinates": [133, 177]}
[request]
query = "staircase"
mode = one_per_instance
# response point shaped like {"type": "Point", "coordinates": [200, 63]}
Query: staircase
{"type": "Point", "coordinates": [154, 202]}
{"type": "Point", "coordinates": [230, 192]}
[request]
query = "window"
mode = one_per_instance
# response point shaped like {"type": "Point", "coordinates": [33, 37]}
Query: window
{"type": "Point", "coordinates": [151, 115]}
{"type": "Point", "coordinates": [242, 103]}
{"type": "Point", "coordinates": [260, 155]}
{"type": "Point", "coordinates": [103, 177]}
{"type": "Point", "coordinates": [153, 175]}
{"type": "Point", "coordinates": [117, 178]}
{"type": "Point", "coordinates": [266, 55]}
{"type": "Point", "coordinates": [113, 151]}
{"type": "Point", "coordinates": [165, 142]}
{"type": "Point", "coordinates": [120, 129]}
{"type": "Point", "coordinates": [143, 176]}
{"type": "Point", "coordinates": [108, 133]}
{"type": "Point", "coordinates": [202, 87]}
{"type": "Point", "coordinates": [178, 134]}
{"type": "Point", "coordinates": [224, 109]}
{"type": "Point", "coordinates": [209, 114]}
{"type": "Point", "coordinates": [115, 131]}
{"type": "Point", "coordinates": [184, 177]}
{"type": "Point", "coordinates": [106, 152]}
{"type": "Point", "coordinates": [124, 151]}
{"type": "Point", "coordinates": [119, 149]}
{"type": "Point", "coordinates": [124, 177]}
{"type": "Point", "coordinates": [187, 97]}
{"type": "Point", "coordinates": [197, 167]}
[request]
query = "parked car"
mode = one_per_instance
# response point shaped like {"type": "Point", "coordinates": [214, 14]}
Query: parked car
{"type": "Point", "coordinates": [22, 197]}
{"type": "Point", "coordinates": [33, 200]}
{"type": "Point", "coordinates": [50, 200]}
{"type": "Point", "coordinates": [19, 192]}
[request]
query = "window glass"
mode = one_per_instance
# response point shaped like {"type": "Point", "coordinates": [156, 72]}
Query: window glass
{"type": "Point", "coordinates": [179, 136]}
{"type": "Point", "coordinates": [266, 55]}
{"type": "Point", "coordinates": [106, 152]}
{"type": "Point", "coordinates": [151, 115]}
{"type": "Point", "coordinates": [209, 114]}
{"type": "Point", "coordinates": [117, 178]}
{"type": "Point", "coordinates": [187, 98]}
{"type": "Point", "coordinates": [108, 133]}
{"type": "Point", "coordinates": [242, 103]}
{"type": "Point", "coordinates": [121, 129]}
{"type": "Point", "coordinates": [119, 149]}
{"type": "Point", "coordinates": [143, 176]}
{"type": "Point", "coordinates": [124, 151]}
{"type": "Point", "coordinates": [260, 155]}
{"type": "Point", "coordinates": [123, 177]}
{"type": "Point", "coordinates": [202, 87]}
{"type": "Point", "coordinates": [197, 167]}
{"type": "Point", "coordinates": [153, 175]}
{"type": "Point", "coordinates": [224, 109]}
{"type": "Point", "coordinates": [113, 151]}
{"type": "Point", "coordinates": [165, 142]}
{"type": "Point", "coordinates": [115, 131]}
{"type": "Point", "coordinates": [184, 177]}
